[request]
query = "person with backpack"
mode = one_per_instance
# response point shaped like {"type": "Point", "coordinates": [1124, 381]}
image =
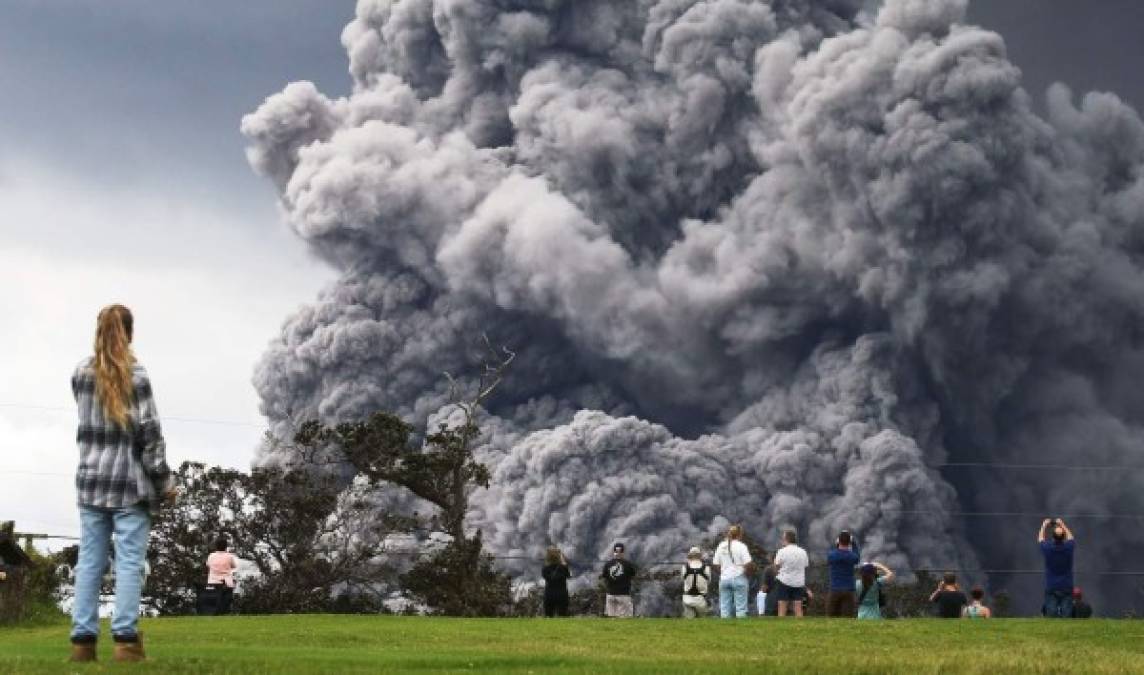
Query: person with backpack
{"type": "Point", "coordinates": [122, 479]}
{"type": "Point", "coordinates": [869, 587]}
{"type": "Point", "coordinates": [696, 575]}
{"type": "Point", "coordinates": [735, 566]}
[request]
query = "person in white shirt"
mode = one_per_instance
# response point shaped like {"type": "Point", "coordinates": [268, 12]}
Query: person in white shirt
{"type": "Point", "coordinates": [732, 558]}
{"type": "Point", "coordinates": [696, 574]}
{"type": "Point", "coordinates": [791, 561]}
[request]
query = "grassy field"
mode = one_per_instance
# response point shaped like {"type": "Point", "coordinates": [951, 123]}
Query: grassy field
{"type": "Point", "coordinates": [341, 644]}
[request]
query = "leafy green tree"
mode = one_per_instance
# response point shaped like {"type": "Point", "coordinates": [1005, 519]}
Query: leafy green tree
{"type": "Point", "coordinates": [460, 580]}
{"type": "Point", "coordinates": [291, 524]}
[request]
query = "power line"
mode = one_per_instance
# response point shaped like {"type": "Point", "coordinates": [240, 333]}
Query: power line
{"type": "Point", "coordinates": [29, 535]}
{"type": "Point", "coordinates": [1042, 467]}
{"type": "Point", "coordinates": [944, 465]}
{"type": "Point", "coordinates": [679, 563]}
{"type": "Point", "coordinates": [172, 418]}
{"type": "Point", "coordinates": [1015, 514]}
{"type": "Point", "coordinates": [1079, 573]}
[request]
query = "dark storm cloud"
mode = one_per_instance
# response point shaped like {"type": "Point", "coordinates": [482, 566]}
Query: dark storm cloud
{"type": "Point", "coordinates": [147, 92]}
{"type": "Point", "coordinates": [835, 238]}
{"type": "Point", "coordinates": [1086, 45]}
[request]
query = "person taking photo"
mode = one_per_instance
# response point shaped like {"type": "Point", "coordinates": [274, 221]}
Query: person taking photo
{"type": "Point", "coordinates": [1058, 548]}
{"type": "Point", "coordinates": [617, 575]}
{"type": "Point", "coordinates": [842, 559]}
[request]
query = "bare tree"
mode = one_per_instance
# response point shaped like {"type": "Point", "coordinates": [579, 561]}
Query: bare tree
{"type": "Point", "coordinates": [442, 469]}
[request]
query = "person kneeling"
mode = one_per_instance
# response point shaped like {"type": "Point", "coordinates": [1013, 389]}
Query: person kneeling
{"type": "Point", "coordinates": [696, 574]}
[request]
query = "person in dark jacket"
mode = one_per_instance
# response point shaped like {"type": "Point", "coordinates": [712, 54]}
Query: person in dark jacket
{"type": "Point", "coordinates": [556, 575]}
{"type": "Point", "coordinates": [949, 598]}
{"type": "Point", "coordinates": [617, 575]}
{"type": "Point", "coordinates": [1081, 608]}
{"type": "Point", "coordinates": [767, 589]}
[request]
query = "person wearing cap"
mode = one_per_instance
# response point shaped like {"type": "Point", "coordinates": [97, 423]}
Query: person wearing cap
{"type": "Point", "coordinates": [1081, 608]}
{"type": "Point", "coordinates": [842, 559]}
{"type": "Point", "coordinates": [617, 575]}
{"type": "Point", "coordinates": [732, 558]}
{"type": "Point", "coordinates": [696, 574]}
{"type": "Point", "coordinates": [869, 587]}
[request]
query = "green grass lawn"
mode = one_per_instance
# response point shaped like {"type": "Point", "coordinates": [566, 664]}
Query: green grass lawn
{"type": "Point", "coordinates": [340, 644]}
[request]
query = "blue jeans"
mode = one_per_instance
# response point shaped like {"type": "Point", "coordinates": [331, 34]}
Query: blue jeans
{"type": "Point", "coordinates": [1058, 604]}
{"type": "Point", "coordinates": [733, 597]}
{"type": "Point", "coordinates": [132, 527]}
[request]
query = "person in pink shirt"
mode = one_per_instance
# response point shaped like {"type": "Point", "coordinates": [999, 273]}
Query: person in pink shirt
{"type": "Point", "coordinates": [220, 574]}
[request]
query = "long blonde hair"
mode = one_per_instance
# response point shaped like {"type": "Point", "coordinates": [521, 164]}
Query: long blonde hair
{"type": "Point", "coordinates": [552, 556]}
{"type": "Point", "coordinates": [113, 362]}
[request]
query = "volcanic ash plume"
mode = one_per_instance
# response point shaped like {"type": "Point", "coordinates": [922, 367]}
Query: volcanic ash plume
{"type": "Point", "coordinates": [770, 261]}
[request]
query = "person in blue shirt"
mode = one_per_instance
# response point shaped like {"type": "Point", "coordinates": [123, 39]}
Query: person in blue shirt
{"type": "Point", "coordinates": [1058, 547]}
{"type": "Point", "coordinates": [842, 559]}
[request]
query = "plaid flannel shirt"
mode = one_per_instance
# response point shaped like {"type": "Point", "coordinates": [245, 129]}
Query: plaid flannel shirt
{"type": "Point", "coordinates": [119, 467]}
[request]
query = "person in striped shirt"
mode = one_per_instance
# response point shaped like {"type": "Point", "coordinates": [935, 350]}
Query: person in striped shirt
{"type": "Point", "coordinates": [121, 481]}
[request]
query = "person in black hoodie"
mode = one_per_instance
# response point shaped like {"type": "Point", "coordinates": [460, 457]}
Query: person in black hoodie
{"type": "Point", "coordinates": [617, 575]}
{"type": "Point", "coordinates": [556, 575]}
{"type": "Point", "coordinates": [1081, 608]}
{"type": "Point", "coordinates": [948, 598]}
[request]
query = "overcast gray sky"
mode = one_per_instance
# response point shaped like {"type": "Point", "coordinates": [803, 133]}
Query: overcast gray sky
{"type": "Point", "coordinates": [122, 178]}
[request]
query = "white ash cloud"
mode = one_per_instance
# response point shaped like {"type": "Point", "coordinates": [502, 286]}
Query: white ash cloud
{"type": "Point", "coordinates": [769, 261]}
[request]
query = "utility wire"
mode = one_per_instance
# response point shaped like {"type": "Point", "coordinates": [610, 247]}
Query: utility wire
{"type": "Point", "coordinates": [1044, 467]}
{"type": "Point", "coordinates": [173, 418]}
{"type": "Point", "coordinates": [680, 563]}
{"type": "Point", "coordinates": [1015, 514]}
{"type": "Point", "coordinates": [944, 465]}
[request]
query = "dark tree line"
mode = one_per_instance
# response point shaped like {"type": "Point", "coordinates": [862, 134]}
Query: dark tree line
{"type": "Point", "coordinates": [314, 544]}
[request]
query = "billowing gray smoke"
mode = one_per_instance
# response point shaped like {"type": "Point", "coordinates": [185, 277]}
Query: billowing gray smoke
{"type": "Point", "coordinates": [770, 261]}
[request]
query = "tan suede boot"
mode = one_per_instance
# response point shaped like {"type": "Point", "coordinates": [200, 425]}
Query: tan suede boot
{"type": "Point", "coordinates": [130, 651]}
{"type": "Point", "coordinates": [82, 653]}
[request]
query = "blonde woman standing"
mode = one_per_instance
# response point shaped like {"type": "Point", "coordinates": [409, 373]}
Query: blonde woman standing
{"type": "Point", "coordinates": [121, 479]}
{"type": "Point", "coordinates": [732, 558]}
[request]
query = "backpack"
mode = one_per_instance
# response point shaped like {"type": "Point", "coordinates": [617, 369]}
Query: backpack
{"type": "Point", "coordinates": [750, 569]}
{"type": "Point", "coordinates": [695, 573]}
